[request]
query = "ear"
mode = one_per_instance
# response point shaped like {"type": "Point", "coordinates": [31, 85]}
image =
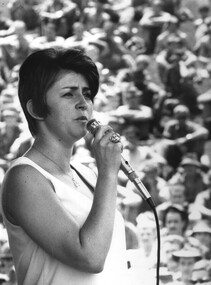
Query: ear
{"type": "Point", "coordinates": [29, 106]}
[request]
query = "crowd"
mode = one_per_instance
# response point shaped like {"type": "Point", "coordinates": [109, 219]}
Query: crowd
{"type": "Point", "coordinates": [151, 77]}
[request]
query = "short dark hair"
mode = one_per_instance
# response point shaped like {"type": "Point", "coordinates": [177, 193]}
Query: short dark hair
{"type": "Point", "coordinates": [181, 210]}
{"type": "Point", "coordinates": [40, 70]}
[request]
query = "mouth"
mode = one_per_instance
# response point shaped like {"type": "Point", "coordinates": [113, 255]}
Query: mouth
{"type": "Point", "coordinates": [82, 119]}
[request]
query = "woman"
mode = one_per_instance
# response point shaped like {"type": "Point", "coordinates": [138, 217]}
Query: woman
{"type": "Point", "coordinates": [60, 231]}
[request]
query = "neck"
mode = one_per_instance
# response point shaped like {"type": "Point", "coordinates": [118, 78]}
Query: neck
{"type": "Point", "coordinates": [58, 157]}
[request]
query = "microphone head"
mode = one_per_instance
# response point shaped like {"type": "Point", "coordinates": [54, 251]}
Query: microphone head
{"type": "Point", "coordinates": [92, 126]}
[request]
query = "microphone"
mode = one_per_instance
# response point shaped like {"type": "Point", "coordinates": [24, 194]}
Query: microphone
{"type": "Point", "coordinates": [92, 126]}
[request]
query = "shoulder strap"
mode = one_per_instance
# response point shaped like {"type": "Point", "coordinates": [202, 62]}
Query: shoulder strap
{"type": "Point", "coordinates": [80, 170]}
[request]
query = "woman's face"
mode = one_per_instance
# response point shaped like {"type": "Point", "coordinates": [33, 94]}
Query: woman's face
{"type": "Point", "coordinates": [146, 235]}
{"type": "Point", "coordinates": [174, 223]}
{"type": "Point", "coordinates": [186, 266]}
{"type": "Point", "coordinates": [70, 107]}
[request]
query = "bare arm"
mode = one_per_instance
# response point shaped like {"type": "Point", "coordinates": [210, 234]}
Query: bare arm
{"type": "Point", "coordinates": [30, 202]}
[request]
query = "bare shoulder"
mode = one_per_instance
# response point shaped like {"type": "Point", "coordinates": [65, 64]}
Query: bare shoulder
{"type": "Point", "coordinates": [21, 184]}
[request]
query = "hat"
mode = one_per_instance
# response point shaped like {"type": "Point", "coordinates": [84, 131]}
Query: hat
{"type": "Point", "coordinates": [174, 238]}
{"type": "Point", "coordinates": [204, 97]}
{"type": "Point", "coordinates": [201, 227]}
{"type": "Point", "coordinates": [201, 264]}
{"type": "Point", "coordinates": [178, 207]}
{"type": "Point", "coordinates": [187, 253]}
{"type": "Point", "coordinates": [9, 113]}
{"type": "Point", "coordinates": [190, 161]}
{"type": "Point", "coordinates": [181, 110]}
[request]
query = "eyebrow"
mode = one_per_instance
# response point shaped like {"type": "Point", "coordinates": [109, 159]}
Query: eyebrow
{"type": "Point", "coordinates": [75, 87]}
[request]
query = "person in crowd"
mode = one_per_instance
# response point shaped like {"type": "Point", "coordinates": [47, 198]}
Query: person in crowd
{"type": "Point", "coordinates": [11, 129]}
{"type": "Point", "coordinates": [117, 56]}
{"type": "Point", "coordinates": [175, 221]}
{"type": "Point", "coordinates": [63, 199]}
{"type": "Point", "coordinates": [152, 23]}
{"type": "Point", "coordinates": [48, 40]}
{"type": "Point", "coordinates": [135, 153]}
{"type": "Point", "coordinates": [5, 75]}
{"type": "Point", "coordinates": [186, 258]}
{"type": "Point", "coordinates": [153, 95]}
{"type": "Point", "coordinates": [93, 16]}
{"type": "Point", "coordinates": [200, 24]}
{"type": "Point", "coordinates": [176, 191]}
{"type": "Point", "coordinates": [202, 232]}
{"type": "Point", "coordinates": [155, 184]}
{"type": "Point", "coordinates": [16, 47]}
{"type": "Point", "coordinates": [170, 244]}
{"type": "Point", "coordinates": [134, 112]}
{"type": "Point", "coordinates": [204, 99]}
{"type": "Point", "coordinates": [62, 13]}
{"type": "Point", "coordinates": [80, 38]}
{"type": "Point", "coordinates": [202, 47]}
{"type": "Point", "coordinates": [25, 11]}
{"type": "Point", "coordinates": [182, 135]}
{"type": "Point", "coordinates": [201, 273]}
{"type": "Point", "coordinates": [6, 23]}
{"type": "Point", "coordinates": [145, 255]}
{"type": "Point", "coordinates": [191, 175]}
{"type": "Point", "coordinates": [203, 200]}
{"type": "Point", "coordinates": [177, 70]}
{"type": "Point", "coordinates": [170, 28]}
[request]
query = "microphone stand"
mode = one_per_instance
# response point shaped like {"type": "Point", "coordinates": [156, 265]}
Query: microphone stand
{"type": "Point", "coordinates": [133, 177]}
{"type": "Point", "coordinates": [92, 127]}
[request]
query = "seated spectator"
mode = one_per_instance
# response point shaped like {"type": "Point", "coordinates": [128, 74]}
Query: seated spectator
{"type": "Point", "coordinates": [170, 28]}
{"type": "Point", "coordinates": [186, 259]}
{"type": "Point", "coordinates": [5, 75]}
{"type": "Point", "coordinates": [183, 136]}
{"type": "Point", "coordinates": [63, 13]}
{"type": "Point", "coordinates": [135, 153]}
{"type": "Point", "coordinates": [80, 38]}
{"type": "Point", "coordinates": [203, 46]}
{"type": "Point", "coordinates": [204, 100]}
{"type": "Point", "coordinates": [201, 272]}
{"type": "Point", "coordinates": [16, 46]}
{"type": "Point", "coordinates": [200, 24]}
{"type": "Point", "coordinates": [9, 130]}
{"type": "Point", "coordinates": [155, 184]}
{"type": "Point", "coordinates": [169, 245]}
{"type": "Point", "coordinates": [25, 11]}
{"type": "Point", "coordinates": [6, 28]}
{"type": "Point", "coordinates": [49, 39]}
{"type": "Point", "coordinates": [191, 175]}
{"type": "Point", "coordinates": [136, 44]}
{"type": "Point", "coordinates": [175, 221]}
{"type": "Point", "coordinates": [117, 56]}
{"type": "Point", "coordinates": [177, 70]}
{"type": "Point", "coordinates": [202, 232]}
{"type": "Point", "coordinates": [93, 16]}
{"type": "Point", "coordinates": [145, 255]}
{"type": "Point", "coordinates": [153, 95]}
{"type": "Point", "coordinates": [152, 23]}
{"type": "Point", "coordinates": [133, 112]}
{"type": "Point", "coordinates": [203, 200]}
{"type": "Point", "coordinates": [176, 191]}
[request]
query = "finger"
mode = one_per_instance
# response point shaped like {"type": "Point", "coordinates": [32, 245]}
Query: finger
{"type": "Point", "coordinates": [115, 137]}
{"type": "Point", "coordinates": [103, 132]}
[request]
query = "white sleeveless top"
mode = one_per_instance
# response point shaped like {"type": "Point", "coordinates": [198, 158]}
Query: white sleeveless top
{"type": "Point", "coordinates": [35, 267]}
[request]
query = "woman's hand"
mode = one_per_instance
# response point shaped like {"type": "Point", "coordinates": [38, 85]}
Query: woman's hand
{"type": "Point", "coordinates": [107, 153]}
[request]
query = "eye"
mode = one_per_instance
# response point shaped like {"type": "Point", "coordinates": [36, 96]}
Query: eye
{"type": "Point", "coordinates": [67, 94]}
{"type": "Point", "coordinates": [88, 95]}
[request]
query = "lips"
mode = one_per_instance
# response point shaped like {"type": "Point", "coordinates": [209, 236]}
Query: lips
{"type": "Point", "coordinates": [82, 118]}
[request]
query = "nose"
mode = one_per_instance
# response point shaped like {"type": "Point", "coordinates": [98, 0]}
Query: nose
{"type": "Point", "coordinates": [82, 103]}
